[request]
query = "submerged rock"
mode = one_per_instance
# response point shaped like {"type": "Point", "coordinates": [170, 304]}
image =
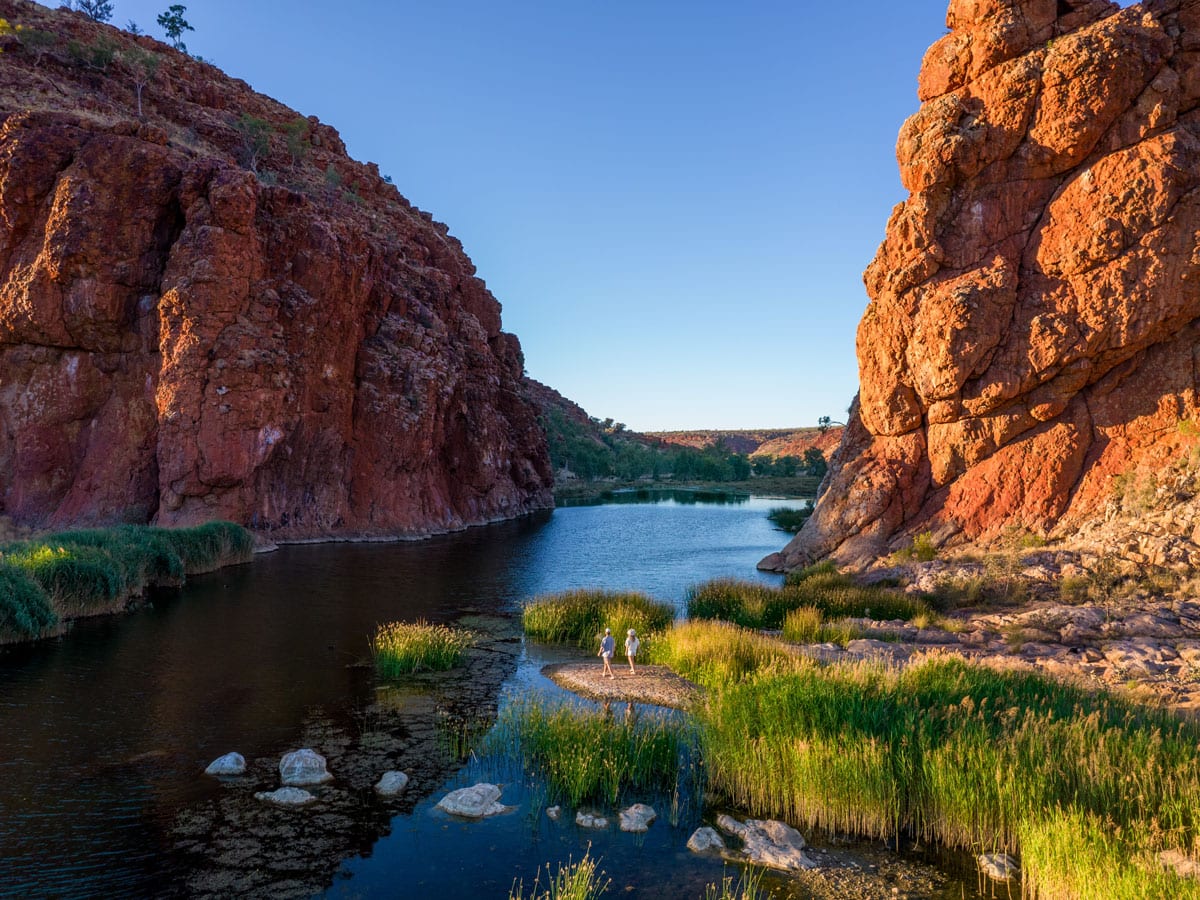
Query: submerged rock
{"type": "Point", "coordinates": [286, 796]}
{"type": "Point", "coordinates": [590, 820]}
{"type": "Point", "coordinates": [391, 783]}
{"type": "Point", "coordinates": [553, 812]}
{"type": "Point", "coordinates": [706, 840]}
{"type": "Point", "coordinates": [638, 818]}
{"type": "Point", "coordinates": [303, 767]}
{"type": "Point", "coordinates": [229, 764]}
{"type": "Point", "coordinates": [998, 866]}
{"type": "Point", "coordinates": [475, 802]}
{"type": "Point", "coordinates": [769, 843]}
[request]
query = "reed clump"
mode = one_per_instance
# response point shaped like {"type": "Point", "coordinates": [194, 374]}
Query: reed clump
{"type": "Point", "coordinates": [753, 604]}
{"type": "Point", "coordinates": [583, 880]}
{"type": "Point", "coordinates": [404, 648]}
{"type": "Point", "coordinates": [808, 625]}
{"type": "Point", "coordinates": [580, 616]}
{"type": "Point", "coordinates": [715, 653]}
{"type": "Point", "coordinates": [967, 756]}
{"type": "Point", "coordinates": [83, 572]}
{"type": "Point", "coordinates": [589, 755]}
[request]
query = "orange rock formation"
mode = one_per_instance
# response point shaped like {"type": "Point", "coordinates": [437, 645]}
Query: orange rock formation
{"type": "Point", "coordinates": [1033, 319]}
{"type": "Point", "coordinates": [303, 352]}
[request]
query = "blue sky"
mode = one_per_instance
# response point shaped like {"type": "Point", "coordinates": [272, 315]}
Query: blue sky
{"type": "Point", "coordinates": [673, 201]}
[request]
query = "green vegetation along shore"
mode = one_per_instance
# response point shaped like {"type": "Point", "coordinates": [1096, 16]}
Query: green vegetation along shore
{"type": "Point", "coordinates": [1092, 791]}
{"type": "Point", "coordinates": [54, 578]}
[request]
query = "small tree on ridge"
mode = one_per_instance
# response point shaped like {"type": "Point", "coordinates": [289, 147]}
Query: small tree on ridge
{"type": "Point", "coordinates": [174, 25]}
{"type": "Point", "coordinates": [96, 10]}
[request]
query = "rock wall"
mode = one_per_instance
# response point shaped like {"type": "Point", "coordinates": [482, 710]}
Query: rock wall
{"type": "Point", "coordinates": [299, 350]}
{"type": "Point", "coordinates": [1032, 332]}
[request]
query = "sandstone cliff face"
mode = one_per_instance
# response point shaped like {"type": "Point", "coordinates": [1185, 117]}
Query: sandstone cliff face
{"type": "Point", "coordinates": [1033, 326]}
{"type": "Point", "coordinates": [182, 340]}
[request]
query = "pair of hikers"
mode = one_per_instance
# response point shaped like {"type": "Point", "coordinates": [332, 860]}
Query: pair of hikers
{"type": "Point", "coordinates": [608, 646]}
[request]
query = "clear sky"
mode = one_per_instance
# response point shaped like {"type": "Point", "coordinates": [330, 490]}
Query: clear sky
{"type": "Point", "coordinates": [674, 201]}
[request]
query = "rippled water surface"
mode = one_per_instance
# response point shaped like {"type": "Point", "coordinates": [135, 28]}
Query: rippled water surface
{"type": "Point", "coordinates": [104, 734]}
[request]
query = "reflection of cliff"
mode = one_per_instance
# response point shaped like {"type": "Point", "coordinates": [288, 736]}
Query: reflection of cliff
{"type": "Point", "coordinates": [182, 340]}
{"type": "Point", "coordinates": [1033, 322]}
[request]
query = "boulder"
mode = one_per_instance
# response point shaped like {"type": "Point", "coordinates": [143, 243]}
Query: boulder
{"type": "Point", "coordinates": [706, 840]}
{"type": "Point", "coordinates": [391, 783]}
{"type": "Point", "coordinates": [553, 813]}
{"type": "Point", "coordinates": [998, 866]}
{"type": "Point", "coordinates": [769, 843]}
{"type": "Point", "coordinates": [590, 820]}
{"type": "Point", "coordinates": [475, 802]}
{"type": "Point", "coordinates": [638, 818]}
{"type": "Point", "coordinates": [286, 796]}
{"type": "Point", "coordinates": [302, 768]}
{"type": "Point", "coordinates": [229, 764]}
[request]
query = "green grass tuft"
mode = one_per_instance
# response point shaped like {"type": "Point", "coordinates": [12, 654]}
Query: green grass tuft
{"type": "Point", "coordinates": [753, 604]}
{"type": "Point", "coordinates": [73, 573]}
{"type": "Point", "coordinates": [580, 616]}
{"type": "Point", "coordinates": [583, 880]}
{"type": "Point", "coordinates": [24, 607]}
{"type": "Point", "coordinates": [587, 755]}
{"type": "Point", "coordinates": [402, 648]}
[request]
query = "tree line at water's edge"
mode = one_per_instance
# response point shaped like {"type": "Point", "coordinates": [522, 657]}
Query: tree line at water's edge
{"type": "Point", "coordinates": [606, 449]}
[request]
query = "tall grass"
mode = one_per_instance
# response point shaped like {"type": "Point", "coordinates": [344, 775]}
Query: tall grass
{"type": "Point", "coordinates": [970, 757]}
{"type": "Point", "coordinates": [753, 604]}
{"type": "Point", "coordinates": [583, 880]}
{"type": "Point", "coordinates": [74, 573]}
{"type": "Point", "coordinates": [587, 755]}
{"type": "Point", "coordinates": [715, 654]}
{"type": "Point", "coordinates": [747, 886]}
{"type": "Point", "coordinates": [581, 616]}
{"type": "Point", "coordinates": [402, 648]}
{"type": "Point", "coordinates": [807, 625]}
{"type": "Point", "coordinates": [1073, 856]}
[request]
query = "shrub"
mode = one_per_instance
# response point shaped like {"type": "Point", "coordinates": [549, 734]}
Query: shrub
{"type": "Point", "coordinates": [788, 519]}
{"type": "Point", "coordinates": [580, 616]}
{"type": "Point", "coordinates": [402, 648]}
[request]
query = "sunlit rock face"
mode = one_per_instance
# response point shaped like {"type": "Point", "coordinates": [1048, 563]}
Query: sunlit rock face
{"type": "Point", "coordinates": [1033, 318]}
{"type": "Point", "coordinates": [300, 350]}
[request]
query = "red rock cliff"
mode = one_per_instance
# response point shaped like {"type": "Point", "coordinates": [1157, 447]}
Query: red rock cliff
{"type": "Point", "coordinates": [1033, 322]}
{"type": "Point", "coordinates": [301, 351]}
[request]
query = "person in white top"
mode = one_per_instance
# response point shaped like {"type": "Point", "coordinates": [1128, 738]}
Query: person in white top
{"type": "Point", "coordinates": [631, 648]}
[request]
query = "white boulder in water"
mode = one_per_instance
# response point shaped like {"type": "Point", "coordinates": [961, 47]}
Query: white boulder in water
{"type": "Point", "coordinates": [302, 768]}
{"type": "Point", "coordinates": [286, 796]}
{"type": "Point", "coordinates": [769, 843]}
{"type": "Point", "coordinates": [590, 820]}
{"type": "Point", "coordinates": [475, 802]}
{"type": "Point", "coordinates": [638, 818]}
{"type": "Point", "coordinates": [706, 840]}
{"type": "Point", "coordinates": [998, 866]}
{"type": "Point", "coordinates": [229, 764]}
{"type": "Point", "coordinates": [391, 783]}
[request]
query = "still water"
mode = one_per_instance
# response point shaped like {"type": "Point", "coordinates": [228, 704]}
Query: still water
{"type": "Point", "coordinates": [104, 733]}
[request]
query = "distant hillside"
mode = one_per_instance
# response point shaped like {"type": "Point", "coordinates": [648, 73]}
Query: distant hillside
{"type": "Point", "coordinates": [588, 448]}
{"type": "Point", "coordinates": [763, 442]}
